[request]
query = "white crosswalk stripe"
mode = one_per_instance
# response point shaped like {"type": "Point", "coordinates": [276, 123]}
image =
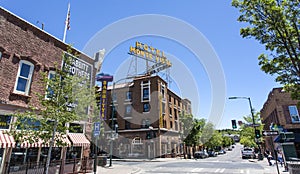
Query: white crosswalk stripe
{"type": "Point", "coordinates": [197, 170]}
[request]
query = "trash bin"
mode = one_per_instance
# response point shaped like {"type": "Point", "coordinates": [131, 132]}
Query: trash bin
{"type": "Point", "coordinates": [102, 161]}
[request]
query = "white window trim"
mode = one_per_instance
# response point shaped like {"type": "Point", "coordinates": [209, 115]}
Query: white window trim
{"type": "Point", "coordinates": [27, 89]}
{"type": "Point", "coordinates": [145, 85]}
{"type": "Point", "coordinates": [297, 113]}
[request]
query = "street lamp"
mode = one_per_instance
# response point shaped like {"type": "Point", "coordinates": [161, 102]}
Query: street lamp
{"type": "Point", "coordinates": [253, 121]}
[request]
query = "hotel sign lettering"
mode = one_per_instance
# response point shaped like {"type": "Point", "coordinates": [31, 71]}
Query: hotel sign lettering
{"type": "Point", "coordinates": [150, 53]}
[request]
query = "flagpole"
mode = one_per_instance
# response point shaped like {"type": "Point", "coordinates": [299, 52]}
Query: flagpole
{"type": "Point", "coordinates": [66, 23]}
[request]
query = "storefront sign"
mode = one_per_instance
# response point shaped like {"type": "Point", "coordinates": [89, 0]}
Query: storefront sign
{"type": "Point", "coordinates": [149, 53]}
{"type": "Point", "coordinates": [103, 100]}
{"type": "Point", "coordinates": [78, 67]}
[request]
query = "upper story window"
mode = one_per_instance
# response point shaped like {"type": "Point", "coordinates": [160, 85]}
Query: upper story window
{"type": "Point", "coordinates": [128, 109]}
{"type": "Point", "coordinates": [163, 90]}
{"type": "Point", "coordinates": [76, 128]}
{"type": "Point", "coordinates": [0, 55]}
{"type": "Point", "coordinates": [23, 81]}
{"type": "Point", "coordinates": [146, 107]}
{"type": "Point", "coordinates": [294, 114]}
{"type": "Point", "coordinates": [50, 92]}
{"type": "Point", "coordinates": [128, 95]}
{"type": "Point", "coordinates": [114, 97]}
{"type": "Point", "coordinates": [127, 125]}
{"type": "Point", "coordinates": [145, 90]}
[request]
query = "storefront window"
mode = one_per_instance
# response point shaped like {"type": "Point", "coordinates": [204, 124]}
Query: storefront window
{"type": "Point", "coordinates": [73, 152]}
{"type": "Point", "coordinates": [55, 154]}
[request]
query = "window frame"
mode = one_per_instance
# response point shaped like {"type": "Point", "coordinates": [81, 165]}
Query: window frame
{"type": "Point", "coordinates": [297, 113]}
{"type": "Point", "coordinates": [28, 79]}
{"type": "Point", "coordinates": [145, 85]}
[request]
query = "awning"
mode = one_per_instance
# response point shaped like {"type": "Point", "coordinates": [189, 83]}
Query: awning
{"type": "Point", "coordinates": [6, 140]}
{"type": "Point", "coordinates": [79, 139]}
{"type": "Point", "coordinates": [40, 143]}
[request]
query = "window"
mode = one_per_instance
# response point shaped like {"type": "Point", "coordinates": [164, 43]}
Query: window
{"type": "Point", "coordinates": [294, 114]}
{"type": "Point", "coordinates": [75, 128]}
{"type": "Point", "coordinates": [162, 90]}
{"type": "Point", "coordinates": [128, 95]}
{"type": "Point", "coordinates": [50, 91]}
{"type": "Point", "coordinates": [114, 97]}
{"type": "Point", "coordinates": [24, 76]}
{"type": "Point", "coordinates": [128, 109]}
{"type": "Point", "coordinates": [145, 91]}
{"type": "Point", "coordinates": [146, 107]}
{"type": "Point", "coordinates": [0, 55]}
{"type": "Point", "coordinates": [5, 121]}
{"type": "Point", "coordinates": [145, 123]}
{"type": "Point", "coordinates": [127, 124]}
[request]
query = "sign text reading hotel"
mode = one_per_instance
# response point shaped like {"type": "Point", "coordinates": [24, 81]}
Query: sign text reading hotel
{"type": "Point", "coordinates": [148, 52]}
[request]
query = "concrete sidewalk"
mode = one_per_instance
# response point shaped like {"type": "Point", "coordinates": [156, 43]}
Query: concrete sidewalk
{"type": "Point", "coordinates": [270, 169]}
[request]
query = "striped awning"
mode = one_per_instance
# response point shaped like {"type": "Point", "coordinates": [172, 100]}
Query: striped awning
{"type": "Point", "coordinates": [40, 143]}
{"type": "Point", "coordinates": [6, 140]}
{"type": "Point", "coordinates": [79, 139]}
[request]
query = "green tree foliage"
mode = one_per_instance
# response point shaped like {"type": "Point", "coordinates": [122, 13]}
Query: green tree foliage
{"type": "Point", "coordinates": [275, 24]}
{"type": "Point", "coordinates": [216, 140]}
{"type": "Point", "coordinates": [194, 134]}
{"type": "Point", "coordinates": [247, 135]}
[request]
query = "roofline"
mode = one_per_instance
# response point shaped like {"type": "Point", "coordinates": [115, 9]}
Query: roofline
{"type": "Point", "coordinates": [41, 31]}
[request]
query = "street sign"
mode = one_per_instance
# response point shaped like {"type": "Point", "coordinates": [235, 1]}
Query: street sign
{"type": "Point", "coordinates": [270, 133]}
{"type": "Point", "coordinates": [96, 129]}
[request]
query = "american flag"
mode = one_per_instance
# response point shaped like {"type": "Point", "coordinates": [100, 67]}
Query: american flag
{"type": "Point", "coordinates": [68, 18]}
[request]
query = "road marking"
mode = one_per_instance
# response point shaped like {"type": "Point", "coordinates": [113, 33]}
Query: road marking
{"type": "Point", "coordinates": [197, 170]}
{"type": "Point", "coordinates": [248, 172]}
{"type": "Point", "coordinates": [221, 171]}
{"type": "Point", "coordinates": [216, 171]}
{"type": "Point", "coordinates": [242, 171]}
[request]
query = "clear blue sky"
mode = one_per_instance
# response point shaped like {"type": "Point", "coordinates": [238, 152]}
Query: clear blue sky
{"type": "Point", "coordinates": [215, 19]}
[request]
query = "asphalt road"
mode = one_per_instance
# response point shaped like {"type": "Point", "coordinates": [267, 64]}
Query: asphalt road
{"type": "Point", "coordinates": [229, 163]}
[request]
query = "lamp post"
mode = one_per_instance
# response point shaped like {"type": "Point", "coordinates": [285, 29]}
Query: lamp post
{"type": "Point", "coordinates": [260, 157]}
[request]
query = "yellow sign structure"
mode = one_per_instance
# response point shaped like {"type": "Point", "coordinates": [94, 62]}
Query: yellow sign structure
{"type": "Point", "coordinates": [149, 53]}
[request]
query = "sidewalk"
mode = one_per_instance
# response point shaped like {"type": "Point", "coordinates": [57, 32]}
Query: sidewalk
{"type": "Point", "coordinates": [270, 169]}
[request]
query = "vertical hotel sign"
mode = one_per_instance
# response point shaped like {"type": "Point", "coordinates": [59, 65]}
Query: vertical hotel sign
{"type": "Point", "coordinates": [104, 78]}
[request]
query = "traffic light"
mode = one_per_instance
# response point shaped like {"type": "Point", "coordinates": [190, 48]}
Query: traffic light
{"type": "Point", "coordinates": [233, 122]}
{"type": "Point", "coordinates": [257, 133]}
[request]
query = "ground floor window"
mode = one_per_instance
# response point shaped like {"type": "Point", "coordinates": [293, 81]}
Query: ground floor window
{"type": "Point", "coordinates": [73, 152]}
{"type": "Point", "coordinates": [55, 154]}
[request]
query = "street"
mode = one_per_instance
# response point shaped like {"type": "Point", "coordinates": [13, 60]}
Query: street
{"type": "Point", "coordinates": [229, 163]}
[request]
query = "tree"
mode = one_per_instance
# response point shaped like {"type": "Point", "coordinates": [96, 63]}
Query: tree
{"type": "Point", "coordinates": [275, 24]}
{"type": "Point", "coordinates": [247, 135]}
{"type": "Point", "coordinates": [193, 137]}
{"type": "Point", "coordinates": [68, 99]}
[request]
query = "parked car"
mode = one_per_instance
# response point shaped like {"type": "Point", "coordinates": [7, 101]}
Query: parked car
{"type": "Point", "coordinates": [221, 152]}
{"type": "Point", "coordinates": [248, 153]}
{"type": "Point", "coordinates": [212, 153]}
{"type": "Point", "coordinates": [200, 154]}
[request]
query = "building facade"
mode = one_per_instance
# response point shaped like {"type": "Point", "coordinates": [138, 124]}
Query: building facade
{"type": "Point", "coordinates": [281, 113]}
{"type": "Point", "coordinates": [147, 117]}
{"type": "Point", "coordinates": [25, 52]}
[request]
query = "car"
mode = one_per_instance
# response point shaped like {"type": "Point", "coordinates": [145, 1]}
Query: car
{"type": "Point", "coordinates": [248, 153]}
{"type": "Point", "coordinates": [212, 153]}
{"type": "Point", "coordinates": [221, 152]}
{"type": "Point", "coordinates": [200, 154]}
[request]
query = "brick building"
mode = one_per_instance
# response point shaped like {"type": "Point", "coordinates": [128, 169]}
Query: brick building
{"type": "Point", "coordinates": [25, 51]}
{"type": "Point", "coordinates": [147, 114]}
{"type": "Point", "coordinates": [281, 113]}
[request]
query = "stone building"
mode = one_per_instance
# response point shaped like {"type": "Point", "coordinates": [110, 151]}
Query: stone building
{"type": "Point", "coordinates": [147, 116]}
{"type": "Point", "coordinates": [281, 113]}
{"type": "Point", "coordinates": [25, 52]}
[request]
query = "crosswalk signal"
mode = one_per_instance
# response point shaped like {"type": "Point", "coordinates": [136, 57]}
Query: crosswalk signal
{"type": "Point", "coordinates": [257, 134]}
{"type": "Point", "coordinates": [233, 122]}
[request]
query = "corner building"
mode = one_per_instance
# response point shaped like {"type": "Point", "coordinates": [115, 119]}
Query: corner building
{"type": "Point", "coordinates": [281, 113]}
{"type": "Point", "coordinates": [25, 52]}
{"type": "Point", "coordinates": [146, 114]}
